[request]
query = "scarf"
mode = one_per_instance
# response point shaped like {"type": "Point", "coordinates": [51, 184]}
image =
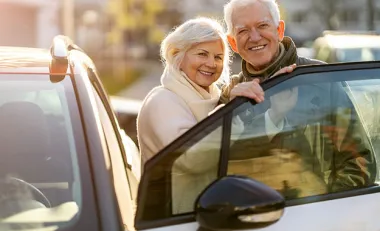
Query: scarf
{"type": "Point", "coordinates": [287, 56]}
{"type": "Point", "coordinates": [200, 102]}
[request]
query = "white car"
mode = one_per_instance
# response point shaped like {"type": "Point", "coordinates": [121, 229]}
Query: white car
{"type": "Point", "coordinates": [65, 165]}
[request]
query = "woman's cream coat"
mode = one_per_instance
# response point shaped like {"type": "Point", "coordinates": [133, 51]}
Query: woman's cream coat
{"type": "Point", "coordinates": [170, 110]}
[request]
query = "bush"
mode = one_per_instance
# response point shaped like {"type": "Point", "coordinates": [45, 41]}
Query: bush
{"type": "Point", "coordinates": [115, 81]}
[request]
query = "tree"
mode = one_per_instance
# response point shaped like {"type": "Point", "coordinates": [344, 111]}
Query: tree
{"type": "Point", "coordinates": [371, 15]}
{"type": "Point", "coordinates": [134, 18]}
{"type": "Point", "coordinates": [327, 10]}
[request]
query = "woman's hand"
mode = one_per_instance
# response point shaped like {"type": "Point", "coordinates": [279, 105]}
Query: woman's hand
{"type": "Point", "coordinates": [251, 89]}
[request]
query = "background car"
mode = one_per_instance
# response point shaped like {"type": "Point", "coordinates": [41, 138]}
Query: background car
{"type": "Point", "coordinates": [343, 46]}
{"type": "Point", "coordinates": [126, 111]}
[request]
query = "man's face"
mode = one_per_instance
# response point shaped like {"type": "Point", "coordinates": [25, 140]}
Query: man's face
{"type": "Point", "coordinates": [255, 36]}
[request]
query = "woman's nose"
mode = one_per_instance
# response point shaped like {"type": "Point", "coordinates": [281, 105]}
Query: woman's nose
{"type": "Point", "coordinates": [211, 63]}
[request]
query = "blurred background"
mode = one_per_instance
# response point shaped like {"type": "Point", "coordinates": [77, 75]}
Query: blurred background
{"type": "Point", "coordinates": [123, 36]}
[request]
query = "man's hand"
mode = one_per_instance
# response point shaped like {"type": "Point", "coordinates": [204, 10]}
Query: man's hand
{"type": "Point", "coordinates": [283, 70]}
{"type": "Point", "coordinates": [250, 89]}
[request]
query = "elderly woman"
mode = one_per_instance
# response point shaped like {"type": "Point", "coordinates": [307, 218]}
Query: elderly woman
{"type": "Point", "coordinates": [196, 57]}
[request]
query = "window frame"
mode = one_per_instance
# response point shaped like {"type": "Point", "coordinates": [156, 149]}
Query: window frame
{"type": "Point", "coordinates": [225, 113]}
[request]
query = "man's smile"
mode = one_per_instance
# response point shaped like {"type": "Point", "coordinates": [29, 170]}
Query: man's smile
{"type": "Point", "coordinates": [256, 48]}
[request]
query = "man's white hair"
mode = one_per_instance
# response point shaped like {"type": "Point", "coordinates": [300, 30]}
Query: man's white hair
{"type": "Point", "coordinates": [192, 32]}
{"type": "Point", "coordinates": [230, 7]}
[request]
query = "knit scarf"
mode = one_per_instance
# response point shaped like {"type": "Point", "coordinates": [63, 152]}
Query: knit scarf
{"type": "Point", "coordinates": [287, 56]}
{"type": "Point", "coordinates": [197, 99]}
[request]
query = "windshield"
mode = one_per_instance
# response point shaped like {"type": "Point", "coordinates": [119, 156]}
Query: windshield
{"type": "Point", "coordinates": [358, 54]}
{"type": "Point", "coordinates": [39, 175]}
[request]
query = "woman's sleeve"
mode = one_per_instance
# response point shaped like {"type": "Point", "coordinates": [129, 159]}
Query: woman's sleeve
{"type": "Point", "coordinates": [166, 120]}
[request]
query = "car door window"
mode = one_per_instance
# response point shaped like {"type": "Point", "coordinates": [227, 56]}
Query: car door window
{"type": "Point", "coordinates": [327, 139]}
{"type": "Point", "coordinates": [196, 166]}
{"type": "Point", "coordinates": [174, 184]}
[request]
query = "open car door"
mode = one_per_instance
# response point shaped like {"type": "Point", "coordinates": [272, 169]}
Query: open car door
{"type": "Point", "coordinates": [314, 169]}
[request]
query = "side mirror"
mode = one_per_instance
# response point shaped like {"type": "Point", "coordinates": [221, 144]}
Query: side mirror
{"type": "Point", "coordinates": [237, 202]}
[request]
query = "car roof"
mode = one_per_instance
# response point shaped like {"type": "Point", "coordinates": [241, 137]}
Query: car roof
{"type": "Point", "coordinates": [24, 60]}
{"type": "Point", "coordinates": [342, 41]}
{"type": "Point", "coordinates": [125, 105]}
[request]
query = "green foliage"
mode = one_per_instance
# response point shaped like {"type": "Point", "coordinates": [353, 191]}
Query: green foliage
{"type": "Point", "coordinates": [115, 82]}
{"type": "Point", "coordinates": [134, 15]}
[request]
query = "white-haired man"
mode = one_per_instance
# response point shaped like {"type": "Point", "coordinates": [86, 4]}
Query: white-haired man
{"type": "Point", "coordinates": [256, 33]}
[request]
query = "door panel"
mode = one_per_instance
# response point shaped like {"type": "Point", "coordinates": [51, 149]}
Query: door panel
{"type": "Point", "coordinates": [342, 215]}
{"type": "Point", "coordinates": [348, 214]}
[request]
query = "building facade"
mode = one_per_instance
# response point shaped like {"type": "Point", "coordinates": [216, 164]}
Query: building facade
{"type": "Point", "coordinates": [28, 22]}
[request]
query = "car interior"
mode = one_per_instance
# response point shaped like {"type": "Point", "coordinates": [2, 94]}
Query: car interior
{"type": "Point", "coordinates": [38, 157]}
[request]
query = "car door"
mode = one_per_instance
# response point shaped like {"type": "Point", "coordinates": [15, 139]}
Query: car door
{"type": "Point", "coordinates": [322, 156]}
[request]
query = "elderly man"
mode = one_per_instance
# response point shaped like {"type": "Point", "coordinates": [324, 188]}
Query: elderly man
{"type": "Point", "coordinates": [256, 33]}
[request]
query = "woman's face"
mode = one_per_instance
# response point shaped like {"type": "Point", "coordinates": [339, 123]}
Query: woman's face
{"type": "Point", "coordinates": [203, 63]}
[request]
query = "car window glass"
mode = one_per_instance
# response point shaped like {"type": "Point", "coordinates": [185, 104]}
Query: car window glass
{"type": "Point", "coordinates": [325, 143]}
{"type": "Point", "coordinates": [358, 54]}
{"type": "Point", "coordinates": [194, 170]}
{"type": "Point", "coordinates": [39, 146]}
{"type": "Point", "coordinates": [176, 180]}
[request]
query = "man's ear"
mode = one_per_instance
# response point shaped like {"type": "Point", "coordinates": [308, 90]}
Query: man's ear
{"type": "Point", "coordinates": [281, 30]}
{"type": "Point", "coordinates": [232, 42]}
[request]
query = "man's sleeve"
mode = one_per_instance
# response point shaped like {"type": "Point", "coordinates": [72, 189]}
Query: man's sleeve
{"type": "Point", "coordinates": [353, 161]}
{"type": "Point", "coordinates": [226, 89]}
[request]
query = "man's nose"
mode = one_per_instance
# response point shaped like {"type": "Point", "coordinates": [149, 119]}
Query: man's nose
{"type": "Point", "coordinates": [254, 35]}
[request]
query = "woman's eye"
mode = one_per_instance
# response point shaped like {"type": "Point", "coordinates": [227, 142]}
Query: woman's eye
{"type": "Point", "coordinates": [202, 54]}
{"type": "Point", "coordinates": [219, 58]}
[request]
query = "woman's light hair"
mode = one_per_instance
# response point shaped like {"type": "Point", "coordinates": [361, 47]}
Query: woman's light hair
{"type": "Point", "coordinates": [190, 33]}
{"type": "Point", "coordinates": [230, 7]}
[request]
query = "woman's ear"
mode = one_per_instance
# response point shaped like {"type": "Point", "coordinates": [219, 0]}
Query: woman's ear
{"type": "Point", "coordinates": [232, 42]}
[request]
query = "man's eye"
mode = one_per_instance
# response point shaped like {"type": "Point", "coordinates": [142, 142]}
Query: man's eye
{"type": "Point", "coordinates": [264, 26]}
{"type": "Point", "coordinates": [242, 31]}
{"type": "Point", "coordinates": [219, 57]}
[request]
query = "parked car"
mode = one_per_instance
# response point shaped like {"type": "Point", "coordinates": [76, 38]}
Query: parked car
{"type": "Point", "coordinates": [343, 46]}
{"type": "Point", "coordinates": [126, 111]}
{"type": "Point", "coordinates": [62, 152]}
